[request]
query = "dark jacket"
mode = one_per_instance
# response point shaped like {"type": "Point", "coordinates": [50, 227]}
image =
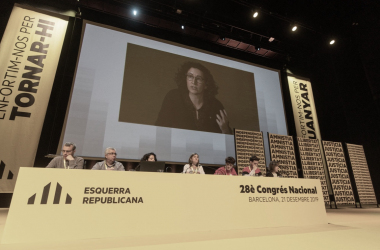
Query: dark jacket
{"type": "Point", "coordinates": [177, 111]}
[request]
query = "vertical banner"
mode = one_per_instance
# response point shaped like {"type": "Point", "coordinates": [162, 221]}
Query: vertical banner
{"type": "Point", "coordinates": [305, 114]}
{"type": "Point", "coordinates": [340, 180]}
{"type": "Point", "coordinates": [248, 143]}
{"type": "Point", "coordinates": [312, 165]}
{"type": "Point", "coordinates": [282, 150]}
{"type": "Point", "coordinates": [361, 174]}
{"type": "Point", "coordinates": [29, 54]}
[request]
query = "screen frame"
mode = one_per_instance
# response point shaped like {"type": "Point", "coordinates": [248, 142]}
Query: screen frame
{"type": "Point", "coordinates": [84, 24]}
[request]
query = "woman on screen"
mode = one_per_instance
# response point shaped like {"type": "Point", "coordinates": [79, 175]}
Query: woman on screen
{"type": "Point", "coordinates": [193, 167]}
{"type": "Point", "coordinates": [193, 104]}
{"type": "Point", "coordinates": [274, 168]}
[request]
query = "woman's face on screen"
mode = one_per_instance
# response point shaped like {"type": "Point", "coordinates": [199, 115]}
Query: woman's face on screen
{"type": "Point", "coordinates": [195, 81]}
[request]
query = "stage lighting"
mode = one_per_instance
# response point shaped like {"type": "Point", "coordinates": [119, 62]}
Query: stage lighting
{"type": "Point", "coordinates": [271, 39]}
{"type": "Point", "coordinates": [332, 42]}
{"type": "Point", "coordinates": [258, 48]}
{"type": "Point", "coordinates": [135, 12]}
{"type": "Point", "coordinates": [183, 27]}
{"type": "Point", "coordinates": [294, 28]}
{"type": "Point", "coordinates": [255, 14]}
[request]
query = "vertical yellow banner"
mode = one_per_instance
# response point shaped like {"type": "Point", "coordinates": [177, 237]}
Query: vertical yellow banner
{"type": "Point", "coordinates": [305, 115]}
{"type": "Point", "coordinates": [282, 150]}
{"type": "Point", "coordinates": [29, 55]}
{"type": "Point", "coordinates": [340, 179]}
{"type": "Point", "coordinates": [362, 176]}
{"type": "Point", "coordinates": [249, 143]}
{"type": "Point", "coordinates": [312, 163]}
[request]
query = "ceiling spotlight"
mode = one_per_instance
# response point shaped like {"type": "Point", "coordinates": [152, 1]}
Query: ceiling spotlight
{"type": "Point", "coordinates": [255, 14]}
{"type": "Point", "coordinates": [332, 42]}
{"type": "Point", "coordinates": [271, 39]}
{"type": "Point", "coordinates": [134, 12]}
{"type": "Point", "coordinates": [178, 11]}
{"type": "Point", "coordinates": [294, 28]}
{"type": "Point", "coordinates": [183, 27]}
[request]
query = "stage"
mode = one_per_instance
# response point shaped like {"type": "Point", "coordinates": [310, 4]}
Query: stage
{"type": "Point", "coordinates": [348, 228]}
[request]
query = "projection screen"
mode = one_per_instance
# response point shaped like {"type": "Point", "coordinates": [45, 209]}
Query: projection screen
{"type": "Point", "coordinates": [140, 94]}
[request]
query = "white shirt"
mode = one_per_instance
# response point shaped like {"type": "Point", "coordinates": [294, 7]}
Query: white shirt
{"type": "Point", "coordinates": [188, 170]}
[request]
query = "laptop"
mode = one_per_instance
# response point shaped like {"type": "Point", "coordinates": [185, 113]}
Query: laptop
{"type": "Point", "coordinates": [152, 166]}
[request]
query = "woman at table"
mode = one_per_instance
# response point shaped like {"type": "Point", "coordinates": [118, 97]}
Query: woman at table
{"type": "Point", "coordinates": [274, 168]}
{"type": "Point", "coordinates": [193, 167]}
{"type": "Point", "coordinates": [228, 169]}
{"type": "Point", "coordinates": [147, 157]}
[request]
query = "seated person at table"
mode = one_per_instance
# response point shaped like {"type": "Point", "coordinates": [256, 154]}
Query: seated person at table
{"type": "Point", "coordinates": [193, 167]}
{"type": "Point", "coordinates": [274, 168]}
{"type": "Point", "coordinates": [253, 168]}
{"type": "Point", "coordinates": [228, 169]}
{"type": "Point", "coordinates": [147, 157]}
{"type": "Point", "coordinates": [109, 163]}
{"type": "Point", "coordinates": [67, 160]}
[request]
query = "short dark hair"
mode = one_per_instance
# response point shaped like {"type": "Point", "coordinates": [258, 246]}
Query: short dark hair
{"type": "Point", "coordinates": [230, 160]}
{"type": "Point", "coordinates": [272, 165]}
{"type": "Point", "coordinates": [180, 78]}
{"type": "Point", "coordinates": [254, 158]}
{"type": "Point", "coordinates": [146, 156]}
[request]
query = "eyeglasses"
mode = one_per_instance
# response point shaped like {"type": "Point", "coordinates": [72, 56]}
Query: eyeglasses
{"type": "Point", "coordinates": [198, 79]}
{"type": "Point", "coordinates": [111, 154]}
